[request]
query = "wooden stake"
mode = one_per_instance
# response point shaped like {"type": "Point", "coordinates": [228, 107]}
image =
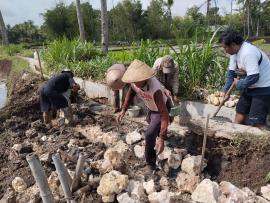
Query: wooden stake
{"type": "Point", "coordinates": [204, 141]}
{"type": "Point", "coordinates": [39, 62]}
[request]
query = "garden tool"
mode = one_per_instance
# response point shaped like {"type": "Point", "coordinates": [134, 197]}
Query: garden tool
{"type": "Point", "coordinates": [227, 95]}
{"type": "Point", "coordinates": [240, 74]}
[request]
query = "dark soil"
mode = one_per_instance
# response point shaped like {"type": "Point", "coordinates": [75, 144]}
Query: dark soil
{"type": "Point", "coordinates": [244, 162]}
{"type": "Point", "coordinates": [5, 67]}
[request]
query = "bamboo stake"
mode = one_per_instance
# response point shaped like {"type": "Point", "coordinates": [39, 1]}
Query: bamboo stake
{"type": "Point", "coordinates": [204, 141]}
{"type": "Point", "coordinates": [39, 62]}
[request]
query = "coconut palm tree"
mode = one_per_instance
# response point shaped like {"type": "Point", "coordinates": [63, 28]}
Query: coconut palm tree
{"type": "Point", "coordinates": [3, 30]}
{"type": "Point", "coordinates": [80, 20]}
{"type": "Point", "coordinates": [104, 27]}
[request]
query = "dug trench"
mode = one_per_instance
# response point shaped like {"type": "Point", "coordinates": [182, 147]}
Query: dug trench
{"type": "Point", "coordinates": [241, 162]}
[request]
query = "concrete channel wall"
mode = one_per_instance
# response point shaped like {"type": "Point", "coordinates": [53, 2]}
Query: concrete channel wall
{"type": "Point", "coordinates": [95, 89]}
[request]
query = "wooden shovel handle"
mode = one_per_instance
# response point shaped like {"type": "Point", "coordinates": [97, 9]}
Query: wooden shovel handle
{"type": "Point", "coordinates": [228, 93]}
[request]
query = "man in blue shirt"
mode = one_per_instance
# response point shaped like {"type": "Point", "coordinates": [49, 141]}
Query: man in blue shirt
{"type": "Point", "coordinates": [55, 95]}
{"type": "Point", "coordinates": [255, 87]}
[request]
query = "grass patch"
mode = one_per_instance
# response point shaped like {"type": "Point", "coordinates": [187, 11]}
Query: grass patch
{"type": "Point", "coordinates": [251, 142]}
{"type": "Point", "coordinates": [10, 50]}
{"type": "Point", "coordinates": [265, 48]}
{"type": "Point", "coordinates": [27, 53]}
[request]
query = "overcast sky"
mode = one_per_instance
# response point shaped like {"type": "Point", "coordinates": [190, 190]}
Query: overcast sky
{"type": "Point", "coordinates": [18, 11]}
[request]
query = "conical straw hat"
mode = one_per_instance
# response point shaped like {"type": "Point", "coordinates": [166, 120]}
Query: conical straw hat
{"type": "Point", "coordinates": [138, 71]}
{"type": "Point", "coordinates": [114, 75]}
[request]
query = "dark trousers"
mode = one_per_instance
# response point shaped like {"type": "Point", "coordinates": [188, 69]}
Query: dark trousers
{"type": "Point", "coordinates": [152, 131]}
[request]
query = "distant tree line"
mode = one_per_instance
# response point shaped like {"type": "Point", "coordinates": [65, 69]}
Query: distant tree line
{"type": "Point", "coordinates": [129, 22]}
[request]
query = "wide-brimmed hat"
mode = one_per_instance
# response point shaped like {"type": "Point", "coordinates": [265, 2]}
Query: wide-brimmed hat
{"type": "Point", "coordinates": [138, 71]}
{"type": "Point", "coordinates": [114, 76]}
{"type": "Point", "coordinates": [166, 64]}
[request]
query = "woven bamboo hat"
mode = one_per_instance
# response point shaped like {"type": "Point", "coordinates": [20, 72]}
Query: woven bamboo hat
{"type": "Point", "coordinates": [137, 72]}
{"type": "Point", "coordinates": [114, 75]}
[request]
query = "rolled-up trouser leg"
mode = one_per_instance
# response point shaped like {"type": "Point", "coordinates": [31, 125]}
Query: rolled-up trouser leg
{"type": "Point", "coordinates": [47, 117]}
{"type": "Point", "coordinates": [150, 137]}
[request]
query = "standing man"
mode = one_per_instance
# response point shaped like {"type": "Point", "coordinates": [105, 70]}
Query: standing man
{"type": "Point", "coordinates": [255, 87]}
{"type": "Point", "coordinates": [143, 83]}
{"type": "Point", "coordinates": [55, 95]}
{"type": "Point", "coordinates": [168, 74]}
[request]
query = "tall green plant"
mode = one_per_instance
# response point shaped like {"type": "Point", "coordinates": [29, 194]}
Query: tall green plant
{"type": "Point", "coordinates": [148, 51]}
{"type": "Point", "coordinates": [201, 64]}
{"type": "Point", "coordinates": [63, 52]}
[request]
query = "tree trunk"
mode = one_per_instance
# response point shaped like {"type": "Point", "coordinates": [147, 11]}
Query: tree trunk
{"type": "Point", "coordinates": [248, 21]}
{"type": "Point", "coordinates": [104, 27]}
{"type": "Point", "coordinates": [80, 20]}
{"type": "Point", "coordinates": [208, 7]}
{"type": "Point", "coordinates": [3, 30]}
{"type": "Point", "coordinates": [257, 31]}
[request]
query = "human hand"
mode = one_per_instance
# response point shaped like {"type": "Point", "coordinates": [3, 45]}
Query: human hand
{"type": "Point", "coordinates": [176, 99]}
{"type": "Point", "coordinates": [76, 87]}
{"type": "Point", "coordinates": [167, 93]}
{"type": "Point", "coordinates": [236, 80]}
{"type": "Point", "coordinates": [159, 145]}
{"type": "Point", "coordinates": [225, 96]}
{"type": "Point", "coordinates": [120, 116]}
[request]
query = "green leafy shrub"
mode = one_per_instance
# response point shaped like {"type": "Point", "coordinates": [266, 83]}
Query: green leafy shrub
{"type": "Point", "coordinates": [10, 50]}
{"type": "Point", "coordinates": [65, 51]}
{"type": "Point", "coordinates": [201, 65]}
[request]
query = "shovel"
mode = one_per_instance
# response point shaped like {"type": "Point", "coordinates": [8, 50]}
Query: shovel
{"type": "Point", "coordinates": [227, 95]}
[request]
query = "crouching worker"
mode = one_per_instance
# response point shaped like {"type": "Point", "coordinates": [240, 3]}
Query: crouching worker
{"type": "Point", "coordinates": [144, 83]}
{"type": "Point", "coordinates": [113, 78]}
{"type": "Point", "coordinates": [55, 95]}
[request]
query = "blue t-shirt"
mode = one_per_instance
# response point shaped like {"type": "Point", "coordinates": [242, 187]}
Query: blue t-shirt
{"type": "Point", "coordinates": [59, 83]}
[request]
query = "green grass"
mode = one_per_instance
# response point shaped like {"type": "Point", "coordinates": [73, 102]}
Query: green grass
{"type": "Point", "coordinates": [27, 53]}
{"type": "Point", "coordinates": [265, 48]}
{"type": "Point", "coordinates": [10, 50]}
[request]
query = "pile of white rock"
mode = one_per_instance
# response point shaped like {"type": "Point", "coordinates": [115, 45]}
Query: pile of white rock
{"type": "Point", "coordinates": [217, 98]}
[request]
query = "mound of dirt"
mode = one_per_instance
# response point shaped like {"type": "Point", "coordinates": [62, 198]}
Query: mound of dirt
{"type": "Point", "coordinates": [5, 67]}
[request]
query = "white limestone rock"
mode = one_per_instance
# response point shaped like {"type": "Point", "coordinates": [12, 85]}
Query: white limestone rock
{"type": "Point", "coordinates": [139, 151]}
{"type": "Point", "coordinates": [265, 190]}
{"type": "Point", "coordinates": [125, 198]}
{"type": "Point", "coordinates": [163, 196]}
{"type": "Point", "coordinates": [230, 193]}
{"type": "Point", "coordinates": [110, 184]}
{"type": "Point", "coordinates": [164, 183]}
{"type": "Point", "coordinates": [186, 182]}
{"type": "Point", "coordinates": [133, 137]}
{"type": "Point", "coordinates": [191, 165]}
{"type": "Point", "coordinates": [95, 134]}
{"type": "Point", "coordinates": [55, 187]}
{"type": "Point", "coordinates": [19, 184]}
{"type": "Point", "coordinates": [206, 192]}
{"type": "Point", "coordinates": [149, 187]}
{"type": "Point", "coordinates": [165, 154]}
{"type": "Point", "coordinates": [114, 157]}
{"type": "Point", "coordinates": [135, 188]}
{"type": "Point", "coordinates": [174, 160]}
